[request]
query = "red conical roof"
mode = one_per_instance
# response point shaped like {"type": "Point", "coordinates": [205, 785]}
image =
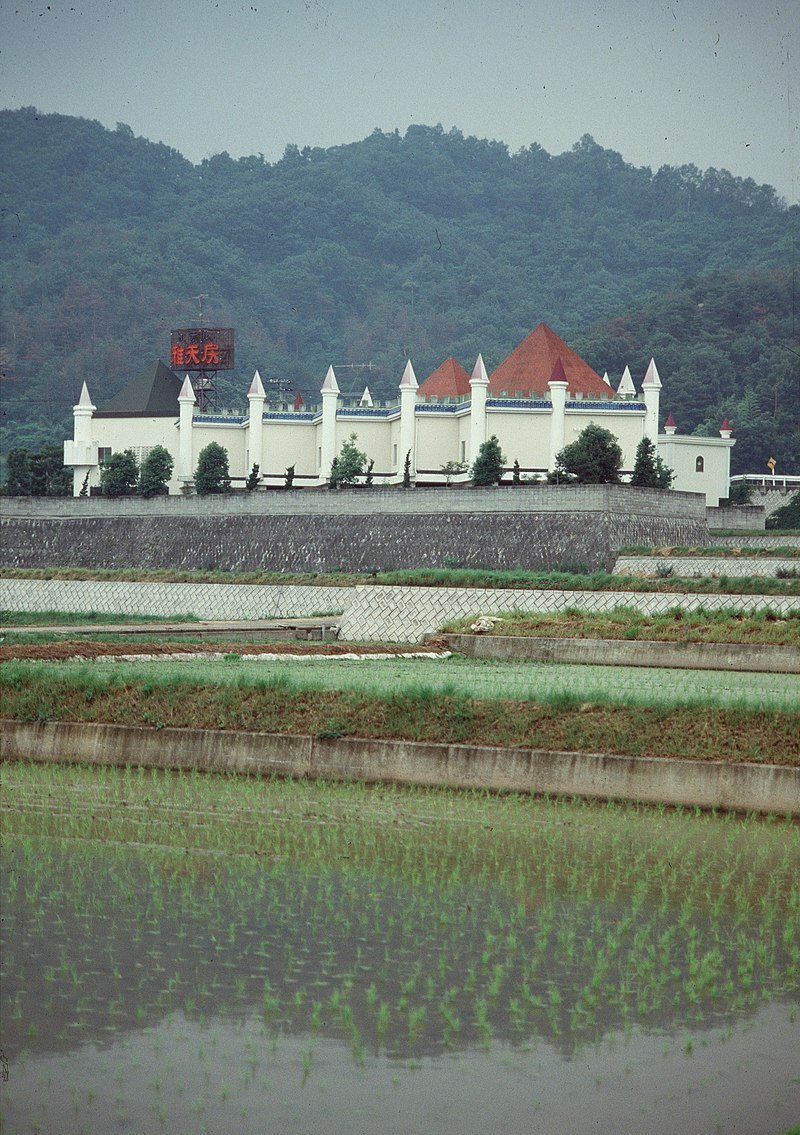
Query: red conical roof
{"type": "Point", "coordinates": [449, 380]}
{"type": "Point", "coordinates": [670, 423]}
{"type": "Point", "coordinates": [529, 367]}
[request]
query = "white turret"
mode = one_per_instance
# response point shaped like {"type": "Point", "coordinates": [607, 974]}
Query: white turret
{"type": "Point", "coordinates": [558, 396]}
{"type": "Point", "coordinates": [186, 401]}
{"type": "Point", "coordinates": [478, 385]}
{"type": "Point", "coordinates": [256, 396]}
{"type": "Point", "coordinates": [408, 404]}
{"type": "Point", "coordinates": [651, 391]}
{"type": "Point", "coordinates": [81, 452]}
{"type": "Point", "coordinates": [626, 389]}
{"type": "Point", "coordinates": [330, 401]}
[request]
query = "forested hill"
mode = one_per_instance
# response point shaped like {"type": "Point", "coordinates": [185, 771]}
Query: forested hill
{"type": "Point", "coordinates": [428, 243]}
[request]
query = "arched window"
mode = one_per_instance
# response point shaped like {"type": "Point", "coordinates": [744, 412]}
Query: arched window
{"type": "Point", "coordinates": [699, 465]}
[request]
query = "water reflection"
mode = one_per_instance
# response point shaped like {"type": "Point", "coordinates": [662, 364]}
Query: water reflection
{"type": "Point", "coordinates": [388, 933]}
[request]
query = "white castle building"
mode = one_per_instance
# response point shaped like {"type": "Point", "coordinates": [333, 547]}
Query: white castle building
{"type": "Point", "coordinates": [537, 401]}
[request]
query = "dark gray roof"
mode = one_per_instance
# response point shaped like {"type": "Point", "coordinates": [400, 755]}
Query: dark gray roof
{"type": "Point", "coordinates": [153, 393]}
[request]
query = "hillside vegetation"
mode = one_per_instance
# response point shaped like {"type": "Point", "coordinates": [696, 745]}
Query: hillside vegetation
{"type": "Point", "coordinates": [428, 243]}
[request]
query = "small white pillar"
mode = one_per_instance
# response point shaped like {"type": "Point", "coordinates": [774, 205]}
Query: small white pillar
{"type": "Point", "coordinates": [330, 400]}
{"type": "Point", "coordinates": [186, 401]}
{"type": "Point", "coordinates": [81, 453]}
{"type": "Point", "coordinates": [408, 407]}
{"type": "Point", "coordinates": [725, 431]}
{"type": "Point", "coordinates": [558, 396]}
{"type": "Point", "coordinates": [256, 396]}
{"type": "Point", "coordinates": [478, 385]}
{"type": "Point", "coordinates": [670, 428]}
{"type": "Point", "coordinates": [651, 391]}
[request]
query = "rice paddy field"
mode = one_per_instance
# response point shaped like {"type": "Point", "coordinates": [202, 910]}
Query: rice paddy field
{"type": "Point", "coordinates": [192, 953]}
{"type": "Point", "coordinates": [454, 675]}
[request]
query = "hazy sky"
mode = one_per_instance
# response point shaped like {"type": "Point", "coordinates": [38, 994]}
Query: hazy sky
{"type": "Point", "coordinates": [711, 82]}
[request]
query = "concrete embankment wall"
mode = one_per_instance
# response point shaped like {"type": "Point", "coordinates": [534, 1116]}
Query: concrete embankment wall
{"type": "Point", "coordinates": [370, 613]}
{"type": "Point", "coordinates": [704, 784]}
{"type": "Point", "coordinates": [530, 527]}
{"type": "Point", "coordinates": [735, 567]}
{"type": "Point", "coordinates": [601, 652]}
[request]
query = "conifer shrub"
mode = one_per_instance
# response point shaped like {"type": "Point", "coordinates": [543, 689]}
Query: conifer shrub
{"type": "Point", "coordinates": [119, 474]}
{"type": "Point", "coordinates": [489, 465]}
{"type": "Point", "coordinates": [155, 473]}
{"type": "Point", "coordinates": [594, 458]}
{"type": "Point", "coordinates": [212, 475]}
{"type": "Point", "coordinates": [649, 470]}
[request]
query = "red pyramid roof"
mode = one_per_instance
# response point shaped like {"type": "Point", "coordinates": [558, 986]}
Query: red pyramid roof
{"type": "Point", "coordinates": [559, 374]}
{"type": "Point", "coordinates": [726, 425]}
{"type": "Point", "coordinates": [670, 422]}
{"type": "Point", "coordinates": [529, 368]}
{"type": "Point", "coordinates": [449, 380]}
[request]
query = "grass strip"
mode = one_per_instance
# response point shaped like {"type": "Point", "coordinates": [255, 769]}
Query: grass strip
{"type": "Point", "coordinates": [83, 618]}
{"type": "Point", "coordinates": [431, 577]}
{"type": "Point", "coordinates": [276, 705]}
{"type": "Point", "coordinates": [763, 628]}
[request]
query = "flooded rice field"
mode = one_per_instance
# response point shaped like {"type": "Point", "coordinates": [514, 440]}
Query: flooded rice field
{"type": "Point", "coordinates": [191, 953]}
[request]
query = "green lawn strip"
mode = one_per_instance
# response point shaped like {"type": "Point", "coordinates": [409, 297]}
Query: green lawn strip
{"type": "Point", "coordinates": [722, 626]}
{"type": "Point", "coordinates": [84, 618]}
{"type": "Point", "coordinates": [431, 577]}
{"type": "Point", "coordinates": [277, 705]}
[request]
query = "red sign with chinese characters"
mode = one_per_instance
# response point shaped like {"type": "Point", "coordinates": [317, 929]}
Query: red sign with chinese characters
{"type": "Point", "coordinates": [202, 348]}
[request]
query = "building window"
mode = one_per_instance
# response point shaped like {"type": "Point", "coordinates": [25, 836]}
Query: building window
{"type": "Point", "coordinates": [319, 457]}
{"type": "Point", "coordinates": [103, 453]}
{"type": "Point", "coordinates": [463, 452]}
{"type": "Point", "coordinates": [699, 465]}
{"type": "Point", "coordinates": [394, 456]}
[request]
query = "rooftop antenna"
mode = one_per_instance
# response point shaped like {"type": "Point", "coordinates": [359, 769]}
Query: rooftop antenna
{"type": "Point", "coordinates": [200, 298]}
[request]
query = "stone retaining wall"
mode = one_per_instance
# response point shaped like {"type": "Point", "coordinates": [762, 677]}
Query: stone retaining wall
{"type": "Point", "coordinates": [407, 614]}
{"type": "Point", "coordinates": [761, 541]}
{"type": "Point", "coordinates": [369, 613]}
{"type": "Point", "coordinates": [732, 566]}
{"type": "Point", "coordinates": [705, 784]}
{"type": "Point", "coordinates": [375, 502]}
{"type": "Point", "coordinates": [205, 600]}
{"type": "Point", "coordinates": [531, 528]}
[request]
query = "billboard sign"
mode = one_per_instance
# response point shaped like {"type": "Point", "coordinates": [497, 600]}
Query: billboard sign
{"type": "Point", "coordinates": [202, 348]}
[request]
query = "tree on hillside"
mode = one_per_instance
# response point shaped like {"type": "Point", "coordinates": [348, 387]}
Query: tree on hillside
{"type": "Point", "coordinates": [787, 516]}
{"type": "Point", "coordinates": [155, 472]}
{"type": "Point", "coordinates": [211, 474]}
{"type": "Point", "coordinates": [489, 465]}
{"type": "Point", "coordinates": [349, 465]}
{"type": "Point", "coordinates": [594, 458]}
{"type": "Point", "coordinates": [649, 469]}
{"type": "Point", "coordinates": [119, 474]}
{"type": "Point", "coordinates": [49, 477]}
{"type": "Point", "coordinates": [18, 480]}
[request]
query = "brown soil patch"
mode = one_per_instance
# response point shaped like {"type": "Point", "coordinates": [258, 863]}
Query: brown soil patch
{"type": "Point", "coordinates": [72, 648]}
